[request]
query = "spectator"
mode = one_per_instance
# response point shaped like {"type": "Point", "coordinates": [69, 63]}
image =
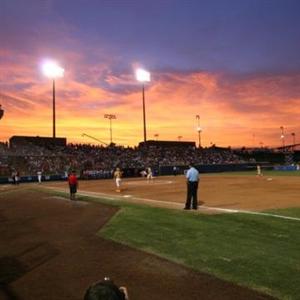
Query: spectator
{"type": "Point", "coordinates": [106, 290]}
{"type": "Point", "coordinates": [98, 161]}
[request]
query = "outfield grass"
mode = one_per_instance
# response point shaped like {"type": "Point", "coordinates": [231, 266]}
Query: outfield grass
{"type": "Point", "coordinates": [256, 251]}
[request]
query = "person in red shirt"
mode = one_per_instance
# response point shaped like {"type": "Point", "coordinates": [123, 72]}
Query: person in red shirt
{"type": "Point", "coordinates": [73, 184]}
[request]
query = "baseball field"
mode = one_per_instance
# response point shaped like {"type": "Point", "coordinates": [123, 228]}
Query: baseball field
{"type": "Point", "coordinates": [242, 243]}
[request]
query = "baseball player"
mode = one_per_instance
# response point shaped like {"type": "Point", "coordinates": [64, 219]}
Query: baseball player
{"type": "Point", "coordinates": [73, 184]}
{"type": "Point", "coordinates": [149, 174]}
{"type": "Point", "coordinates": [258, 171]}
{"type": "Point", "coordinates": [118, 176]}
{"type": "Point", "coordinates": [143, 173]}
{"type": "Point", "coordinates": [39, 175]}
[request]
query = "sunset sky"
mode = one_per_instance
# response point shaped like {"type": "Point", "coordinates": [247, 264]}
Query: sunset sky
{"type": "Point", "coordinates": [236, 63]}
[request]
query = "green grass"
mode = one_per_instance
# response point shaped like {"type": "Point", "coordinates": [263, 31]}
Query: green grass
{"type": "Point", "coordinates": [256, 251]}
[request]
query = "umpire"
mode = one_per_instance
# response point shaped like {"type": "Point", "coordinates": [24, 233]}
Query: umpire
{"type": "Point", "coordinates": [192, 180]}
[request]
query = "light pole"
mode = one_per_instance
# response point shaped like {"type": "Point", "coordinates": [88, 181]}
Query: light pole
{"type": "Point", "coordinates": [199, 131]}
{"type": "Point", "coordinates": [156, 135]}
{"type": "Point", "coordinates": [282, 137]}
{"type": "Point", "coordinates": [294, 139]}
{"type": "Point", "coordinates": [143, 76]}
{"type": "Point", "coordinates": [110, 117]}
{"type": "Point", "coordinates": [179, 138]}
{"type": "Point", "coordinates": [52, 70]}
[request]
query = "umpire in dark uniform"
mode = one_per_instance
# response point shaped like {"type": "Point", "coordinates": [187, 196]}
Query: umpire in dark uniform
{"type": "Point", "coordinates": [192, 180]}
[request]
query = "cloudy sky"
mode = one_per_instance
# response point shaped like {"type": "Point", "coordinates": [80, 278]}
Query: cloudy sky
{"type": "Point", "coordinates": [236, 63]}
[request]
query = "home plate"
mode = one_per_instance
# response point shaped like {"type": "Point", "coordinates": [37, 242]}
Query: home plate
{"type": "Point", "coordinates": [269, 179]}
{"type": "Point", "coordinates": [127, 196]}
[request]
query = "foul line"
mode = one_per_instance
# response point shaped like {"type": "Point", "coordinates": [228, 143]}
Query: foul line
{"type": "Point", "coordinates": [269, 215]}
{"type": "Point", "coordinates": [249, 212]}
{"type": "Point", "coordinates": [175, 204]}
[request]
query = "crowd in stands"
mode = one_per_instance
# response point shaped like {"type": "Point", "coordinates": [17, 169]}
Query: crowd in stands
{"type": "Point", "coordinates": [30, 159]}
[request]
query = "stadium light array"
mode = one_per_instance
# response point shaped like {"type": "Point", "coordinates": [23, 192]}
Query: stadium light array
{"type": "Point", "coordinates": [143, 76]}
{"type": "Point", "coordinates": [282, 137]}
{"type": "Point", "coordinates": [199, 129]}
{"type": "Point", "coordinates": [52, 70]}
{"type": "Point", "coordinates": [110, 117]}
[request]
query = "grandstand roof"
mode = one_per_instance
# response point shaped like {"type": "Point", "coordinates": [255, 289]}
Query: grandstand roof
{"type": "Point", "coordinates": [16, 141]}
{"type": "Point", "coordinates": [168, 143]}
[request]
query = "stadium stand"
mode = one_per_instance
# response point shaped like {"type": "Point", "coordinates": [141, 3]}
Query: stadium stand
{"type": "Point", "coordinates": [29, 155]}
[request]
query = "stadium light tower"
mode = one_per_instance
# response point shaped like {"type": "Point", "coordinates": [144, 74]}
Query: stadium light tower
{"type": "Point", "coordinates": [156, 135]}
{"type": "Point", "coordinates": [199, 131]}
{"type": "Point", "coordinates": [282, 137]}
{"type": "Point", "coordinates": [179, 138]}
{"type": "Point", "coordinates": [143, 76]}
{"type": "Point", "coordinates": [110, 117]}
{"type": "Point", "coordinates": [294, 139]}
{"type": "Point", "coordinates": [52, 70]}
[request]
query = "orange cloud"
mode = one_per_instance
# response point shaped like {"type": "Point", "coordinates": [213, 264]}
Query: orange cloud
{"type": "Point", "coordinates": [232, 109]}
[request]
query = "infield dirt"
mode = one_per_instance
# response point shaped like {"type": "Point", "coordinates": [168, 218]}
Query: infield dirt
{"type": "Point", "coordinates": [228, 192]}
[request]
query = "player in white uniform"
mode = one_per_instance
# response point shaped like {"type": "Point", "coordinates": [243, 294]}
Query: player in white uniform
{"type": "Point", "coordinates": [143, 173]}
{"type": "Point", "coordinates": [39, 175]}
{"type": "Point", "coordinates": [258, 171]}
{"type": "Point", "coordinates": [149, 174]}
{"type": "Point", "coordinates": [118, 176]}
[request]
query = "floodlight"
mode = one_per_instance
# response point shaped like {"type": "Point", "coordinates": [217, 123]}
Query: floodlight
{"type": "Point", "coordinates": [52, 70]}
{"type": "Point", "coordinates": [142, 75]}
